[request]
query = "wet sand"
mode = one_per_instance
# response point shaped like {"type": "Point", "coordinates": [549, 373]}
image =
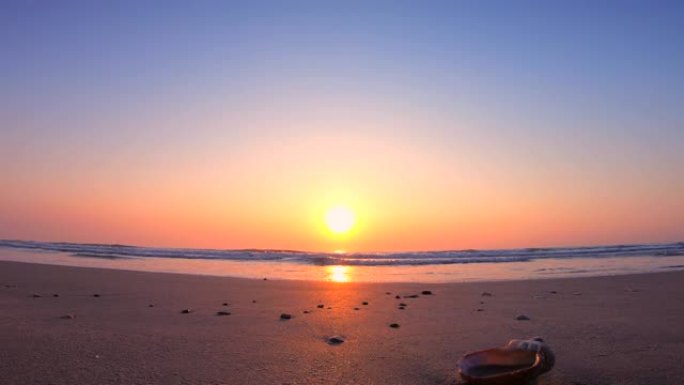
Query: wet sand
{"type": "Point", "coordinates": [120, 327]}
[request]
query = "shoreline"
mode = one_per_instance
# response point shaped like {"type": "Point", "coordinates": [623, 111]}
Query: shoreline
{"type": "Point", "coordinates": [597, 326]}
{"type": "Point", "coordinates": [305, 281]}
{"type": "Point", "coordinates": [547, 268]}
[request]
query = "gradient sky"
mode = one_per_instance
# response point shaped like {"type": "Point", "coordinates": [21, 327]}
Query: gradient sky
{"type": "Point", "coordinates": [444, 125]}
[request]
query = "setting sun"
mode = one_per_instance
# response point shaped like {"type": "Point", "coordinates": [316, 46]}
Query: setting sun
{"type": "Point", "coordinates": [340, 219]}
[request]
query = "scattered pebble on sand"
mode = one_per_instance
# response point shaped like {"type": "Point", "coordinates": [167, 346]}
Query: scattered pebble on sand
{"type": "Point", "coordinates": [150, 305]}
{"type": "Point", "coordinates": [401, 308]}
{"type": "Point", "coordinates": [186, 311]}
{"type": "Point", "coordinates": [356, 308]}
{"type": "Point", "coordinates": [225, 304]}
{"type": "Point", "coordinates": [335, 340]}
{"type": "Point", "coordinates": [306, 312]}
{"type": "Point", "coordinates": [426, 292]}
{"type": "Point", "coordinates": [222, 313]}
{"type": "Point", "coordinates": [34, 295]}
{"type": "Point", "coordinates": [486, 294]}
{"type": "Point", "coordinates": [96, 295]}
{"type": "Point", "coordinates": [55, 295]}
{"type": "Point", "coordinates": [364, 303]}
{"type": "Point", "coordinates": [394, 326]}
{"type": "Point", "coordinates": [397, 297]}
{"type": "Point", "coordinates": [481, 302]}
{"type": "Point", "coordinates": [553, 292]}
{"type": "Point", "coordinates": [577, 293]}
{"type": "Point", "coordinates": [522, 317]}
{"type": "Point", "coordinates": [321, 306]}
{"type": "Point", "coordinates": [329, 307]}
{"type": "Point", "coordinates": [253, 301]}
{"type": "Point", "coordinates": [480, 309]}
{"type": "Point", "coordinates": [68, 316]}
{"type": "Point", "coordinates": [403, 304]}
{"type": "Point", "coordinates": [388, 293]}
{"type": "Point", "coordinates": [412, 296]}
{"type": "Point", "coordinates": [265, 279]}
{"type": "Point", "coordinates": [285, 316]}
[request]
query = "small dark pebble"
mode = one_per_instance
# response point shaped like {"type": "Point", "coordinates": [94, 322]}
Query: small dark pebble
{"type": "Point", "coordinates": [68, 316]}
{"type": "Point", "coordinates": [401, 307]}
{"type": "Point", "coordinates": [55, 295]}
{"type": "Point", "coordinates": [150, 305]}
{"type": "Point", "coordinates": [388, 293]}
{"type": "Point", "coordinates": [403, 304]}
{"type": "Point", "coordinates": [96, 295]}
{"type": "Point", "coordinates": [329, 307]}
{"type": "Point", "coordinates": [412, 296]}
{"type": "Point", "coordinates": [480, 309]}
{"type": "Point", "coordinates": [306, 312]}
{"type": "Point", "coordinates": [481, 302]}
{"type": "Point", "coordinates": [265, 279]}
{"type": "Point", "coordinates": [225, 304]}
{"type": "Point", "coordinates": [486, 294]}
{"type": "Point", "coordinates": [222, 313]}
{"type": "Point", "coordinates": [356, 308]}
{"type": "Point", "coordinates": [364, 303]}
{"type": "Point", "coordinates": [394, 326]}
{"type": "Point", "coordinates": [186, 311]}
{"type": "Point", "coordinates": [285, 316]}
{"type": "Point", "coordinates": [253, 301]}
{"type": "Point", "coordinates": [426, 292]}
{"type": "Point", "coordinates": [320, 306]}
{"type": "Point", "coordinates": [397, 297]}
{"type": "Point", "coordinates": [35, 295]}
{"type": "Point", "coordinates": [522, 317]}
{"type": "Point", "coordinates": [335, 340]}
{"type": "Point", "coordinates": [553, 292]}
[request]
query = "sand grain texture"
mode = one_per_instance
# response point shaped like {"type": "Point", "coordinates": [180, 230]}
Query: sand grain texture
{"type": "Point", "coordinates": [621, 330]}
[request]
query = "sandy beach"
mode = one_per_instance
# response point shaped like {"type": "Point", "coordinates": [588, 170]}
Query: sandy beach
{"type": "Point", "coordinates": [68, 325]}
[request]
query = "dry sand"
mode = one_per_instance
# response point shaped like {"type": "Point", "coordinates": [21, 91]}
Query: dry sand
{"type": "Point", "coordinates": [607, 330]}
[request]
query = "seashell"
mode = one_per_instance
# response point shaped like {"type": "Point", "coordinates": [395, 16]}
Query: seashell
{"type": "Point", "coordinates": [519, 362]}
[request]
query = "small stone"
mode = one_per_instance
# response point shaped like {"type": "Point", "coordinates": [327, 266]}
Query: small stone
{"type": "Point", "coordinates": [397, 297]}
{"type": "Point", "coordinates": [335, 340]}
{"type": "Point", "coordinates": [486, 294]}
{"type": "Point", "coordinates": [364, 303]}
{"type": "Point", "coordinates": [285, 316]}
{"type": "Point", "coordinates": [306, 312]}
{"type": "Point", "coordinates": [265, 279]}
{"type": "Point", "coordinates": [577, 293]}
{"type": "Point", "coordinates": [403, 304]}
{"type": "Point", "coordinates": [222, 313]}
{"type": "Point", "coordinates": [401, 308]}
{"type": "Point", "coordinates": [426, 292]}
{"type": "Point", "coordinates": [553, 292]}
{"type": "Point", "coordinates": [394, 326]}
{"type": "Point", "coordinates": [329, 307]}
{"type": "Point", "coordinates": [186, 311]}
{"type": "Point", "coordinates": [96, 295]}
{"type": "Point", "coordinates": [479, 309]}
{"type": "Point", "coordinates": [225, 304]}
{"type": "Point", "coordinates": [150, 305]}
{"type": "Point", "coordinates": [356, 308]}
{"type": "Point", "coordinates": [253, 301]}
{"type": "Point", "coordinates": [35, 295]}
{"type": "Point", "coordinates": [55, 295]}
{"type": "Point", "coordinates": [321, 306]}
{"type": "Point", "coordinates": [412, 296]}
{"type": "Point", "coordinates": [522, 317]}
{"type": "Point", "coordinates": [68, 316]}
{"type": "Point", "coordinates": [481, 302]}
{"type": "Point", "coordinates": [388, 293]}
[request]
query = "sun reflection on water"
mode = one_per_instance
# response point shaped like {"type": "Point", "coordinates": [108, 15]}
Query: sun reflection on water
{"type": "Point", "coordinates": [338, 273]}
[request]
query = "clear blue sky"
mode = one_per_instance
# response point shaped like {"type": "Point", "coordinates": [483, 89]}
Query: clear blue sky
{"type": "Point", "coordinates": [570, 104]}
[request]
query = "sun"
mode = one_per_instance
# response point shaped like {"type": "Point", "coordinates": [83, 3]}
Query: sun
{"type": "Point", "coordinates": [340, 219]}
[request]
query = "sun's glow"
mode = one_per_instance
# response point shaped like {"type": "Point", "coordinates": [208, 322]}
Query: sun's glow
{"type": "Point", "coordinates": [338, 273]}
{"type": "Point", "coordinates": [340, 219]}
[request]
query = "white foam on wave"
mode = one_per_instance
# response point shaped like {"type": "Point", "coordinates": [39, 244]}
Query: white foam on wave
{"type": "Point", "coordinates": [354, 259]}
